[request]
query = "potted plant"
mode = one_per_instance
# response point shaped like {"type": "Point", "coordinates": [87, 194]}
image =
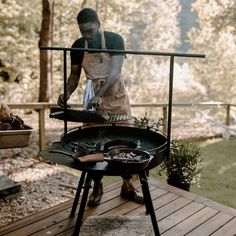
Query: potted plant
{"type": "Point", "coordinates": [184, 165]}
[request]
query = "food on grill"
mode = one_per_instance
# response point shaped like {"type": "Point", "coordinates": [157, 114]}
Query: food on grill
{"type": "Point", "coordinates": [91, 158]}
{"type": "Point", "coordinates": [126, 157]}
{"type": "Point", "coordinates": [8, 121]}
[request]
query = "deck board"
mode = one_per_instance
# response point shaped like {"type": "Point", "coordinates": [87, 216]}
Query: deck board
{"type": "Point", "coordinates": [178, 213]}
{"type": "Point", "coordinates": [210, 226]}
{"type": "Point", "coordinates": [190, 223]}
{"type": "Point", "coordinates": [228, 229]}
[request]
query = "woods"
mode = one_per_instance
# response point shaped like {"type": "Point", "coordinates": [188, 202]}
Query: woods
{"type": "Point", "coordinates": [45, 60]}
{"type": "Point", "coordinates": [145, 25]}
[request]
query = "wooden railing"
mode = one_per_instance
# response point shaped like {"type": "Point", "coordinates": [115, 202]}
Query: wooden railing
{"type": "Point", "coordinates": [42, 107]}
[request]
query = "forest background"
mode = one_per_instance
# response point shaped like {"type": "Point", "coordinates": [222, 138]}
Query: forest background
{"type": "Point", "coordinates": [207, 27]}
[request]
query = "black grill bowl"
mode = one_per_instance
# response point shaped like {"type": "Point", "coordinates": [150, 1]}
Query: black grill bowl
{"type": "Point", "coordinates": [153, 142]}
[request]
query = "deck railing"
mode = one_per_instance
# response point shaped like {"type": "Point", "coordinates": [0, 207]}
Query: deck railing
{"type": "Point", "coordinates": [42, 107]}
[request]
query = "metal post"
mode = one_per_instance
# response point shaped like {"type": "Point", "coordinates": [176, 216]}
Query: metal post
{"type": "Point", "coordinates": [65, 91]}
{"type": "Point", "coordinates": [227, 122]}
{"type": "Point", "coordinates": [42, 142]}
{"type": "Point", "coordinates": [148, 202]}
{"type": "Point", "coordinates": [79, 220]}
{"type": "Point", "coordinates": [164, 112]}
{"type": "Point", "coordinates": [77, 195]}
{"type": "Point", "coordinates": [171, 76]}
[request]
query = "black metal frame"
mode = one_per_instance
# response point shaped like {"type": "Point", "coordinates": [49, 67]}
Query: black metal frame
{"type": "Point", "coordinates": [150, 53]}
{"type": "Point", "coordinates": [85, 183]}
{"type": "Point", "coordinates": [85, 179]}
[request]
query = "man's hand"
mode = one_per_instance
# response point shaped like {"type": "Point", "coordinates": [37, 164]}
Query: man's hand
{"type": "Point", "coordinates": [61, 101]}
{"type": "Point", "coordinates": [94, 102]}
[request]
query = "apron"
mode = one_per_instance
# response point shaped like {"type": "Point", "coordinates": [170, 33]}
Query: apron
{"type": "Point", "coordinates": [115, 101]}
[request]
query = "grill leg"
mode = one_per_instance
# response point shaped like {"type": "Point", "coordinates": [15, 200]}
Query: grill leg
{"type": "Point", "coordinates": [87, 186]}
{"type": "Point", "coordinates": [77, 195]}
{"type": "Point", "coordinates": [148, 201]}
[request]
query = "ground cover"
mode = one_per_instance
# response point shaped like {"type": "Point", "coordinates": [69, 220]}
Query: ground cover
{"type": "Point", "coordinates": [219, 173]}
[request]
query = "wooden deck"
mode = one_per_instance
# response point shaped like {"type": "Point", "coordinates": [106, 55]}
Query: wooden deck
{"type": "Point", "coordinates": [178, 213]}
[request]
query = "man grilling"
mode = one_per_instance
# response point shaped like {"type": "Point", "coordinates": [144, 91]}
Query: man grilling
{"type": "Point", "coordinates": [105, 90]}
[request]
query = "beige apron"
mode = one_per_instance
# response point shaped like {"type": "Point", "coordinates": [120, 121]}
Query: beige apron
{"type": "Point", "coordinates": [96, 67]}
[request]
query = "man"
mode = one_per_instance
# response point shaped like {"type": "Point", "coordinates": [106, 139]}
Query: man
{"type": "Point", "coordinates": [105, 89]}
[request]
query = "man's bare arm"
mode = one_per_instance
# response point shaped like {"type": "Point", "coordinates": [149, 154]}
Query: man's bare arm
{"type": "Point", "coordinates": [73, 79]}
{"type": "Point", "coordinates": [72, 84]}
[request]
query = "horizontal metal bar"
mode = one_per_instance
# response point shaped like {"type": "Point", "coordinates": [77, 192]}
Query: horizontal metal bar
{"type": "Point", "coordinates": [45, 105]}
{"type": "Point", "coordinates": [153, 53]}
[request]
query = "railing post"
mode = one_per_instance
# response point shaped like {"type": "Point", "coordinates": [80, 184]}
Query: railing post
{"type": "Point", "coordinates": [171, 77]}
{"type": "Point", "coordinates": [164, 114]}
{"type": "Point", "coordinates": [65, 90]}
{"type": "Point", "coordinates": [42, 129]}
{"type": "Point", "coordinates": [227, 121]}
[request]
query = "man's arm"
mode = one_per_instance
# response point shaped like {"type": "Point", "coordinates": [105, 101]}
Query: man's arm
{"type": "Point", "coordinates": [72, 83]}
{"type": "Point", "coordinates": [73, 79]}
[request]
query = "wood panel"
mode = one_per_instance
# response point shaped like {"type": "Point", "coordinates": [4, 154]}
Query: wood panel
{"type": "Point", "coordinates": [212, 224]}
{"type": "Point", "coordinates": [228, 229]}
{"type": "Point", "coordinates": [192, 222]}
{"type": "Point", "coordinates": [178, 213]}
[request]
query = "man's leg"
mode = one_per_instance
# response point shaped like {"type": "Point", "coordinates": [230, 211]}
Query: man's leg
{"type": "Point", "coordinates": [129, 192]}
{"type": "Point", "coordinates": [96, 195]}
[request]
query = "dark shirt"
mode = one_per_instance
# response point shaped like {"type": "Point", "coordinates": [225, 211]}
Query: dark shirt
{"type": "Point", "coordinates": [114, 41]}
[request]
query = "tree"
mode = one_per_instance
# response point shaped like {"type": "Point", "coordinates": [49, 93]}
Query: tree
{"type": "Point", "coordinates": [216, 37]}
{"type": "Point", "coordinates": [18, 49]}
{"type": "Point", "coordinates": [45, 39]}
{"type": "Point", "coordinates": [144, 24]}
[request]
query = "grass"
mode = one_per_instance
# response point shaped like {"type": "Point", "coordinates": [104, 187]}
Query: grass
{"type": "Point", "coordinates": [219, 173]}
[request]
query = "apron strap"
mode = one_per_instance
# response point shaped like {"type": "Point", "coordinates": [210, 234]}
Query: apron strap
{"type": "Point", "coordinates": [103, 41]}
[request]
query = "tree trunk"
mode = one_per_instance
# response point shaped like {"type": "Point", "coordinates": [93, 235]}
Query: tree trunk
{"type": "Point", "coordinates": [45, 55]}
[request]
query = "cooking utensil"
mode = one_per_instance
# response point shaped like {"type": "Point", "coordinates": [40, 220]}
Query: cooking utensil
{"type": "Point", "coordinates": [76, 115]}
{"type": "Point", "coordinates": [80, 158]}
{"type": "Point", "coordinates": [128, 158]}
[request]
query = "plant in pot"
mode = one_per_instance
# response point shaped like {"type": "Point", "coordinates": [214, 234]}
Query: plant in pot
{"type": "Point", "coordinates": [184, 165]}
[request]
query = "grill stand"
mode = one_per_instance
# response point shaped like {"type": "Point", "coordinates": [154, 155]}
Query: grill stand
{"type": "Point", "coordinates": [142, 174]}
{"type": "Point", "coordinates": [85, 182]}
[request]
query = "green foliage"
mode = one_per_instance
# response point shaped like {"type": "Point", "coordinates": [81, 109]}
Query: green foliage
{"type": "Point", "coordinates": [185, 163]}
{"type": "Point", "coordinates": [147, 122]}
{"type": "Point", "coordinates": [215, 36]}
{"type": "Point", "coordinates": [142, 122]}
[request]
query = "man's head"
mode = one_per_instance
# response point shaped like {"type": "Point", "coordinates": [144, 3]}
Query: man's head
{"type": "Point", "coordinates": [88, 23]}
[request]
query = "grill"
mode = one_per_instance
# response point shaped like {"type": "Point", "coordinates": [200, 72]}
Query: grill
{"type": "Point", "coordinates": [88, 140]}
{"type": "Point", "coordinates": [155, 143]}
